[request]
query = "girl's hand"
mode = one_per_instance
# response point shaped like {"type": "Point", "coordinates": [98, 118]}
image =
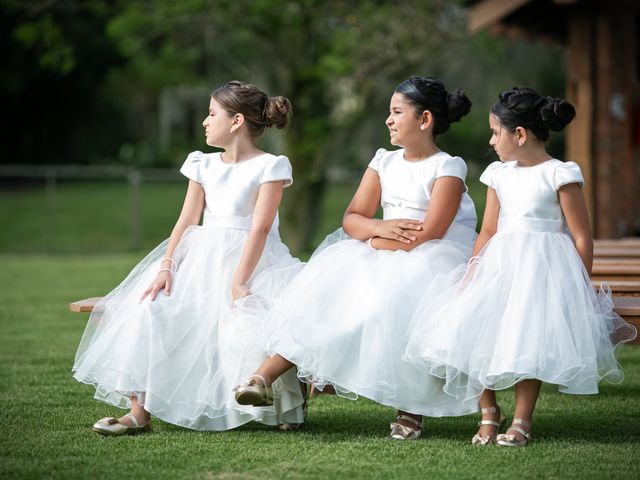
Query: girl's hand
{"type": "Point", "coordinates": [471, 270]}
{"type": "Point", "coordinates": [401, 229]}
{"type": "Point", "coordinates": [163, 281]}
{"type": "Point", "coordinates": [239, 291]}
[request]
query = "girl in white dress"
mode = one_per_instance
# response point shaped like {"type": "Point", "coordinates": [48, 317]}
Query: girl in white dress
{"type": "Point", "coordinates": [187, 324]}
{"type": "Point", "coordinates": [343, 320]}
{"type": "Point", "coordinates": [523, 311]}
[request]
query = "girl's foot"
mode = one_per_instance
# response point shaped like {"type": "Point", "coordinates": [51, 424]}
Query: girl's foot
{"type": "Point", "coordinates": [126, 425]}
{"type": "Point", "coordinates": [492, 420]}
{"type": "Point", "coordinates": [405, 428]}
{"type": "Point", "coordinates": [254, 391]}
{"type": "Point", "coordinates": [516, 436]}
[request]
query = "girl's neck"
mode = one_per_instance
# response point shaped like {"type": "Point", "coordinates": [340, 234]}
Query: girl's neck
{"type": "Point", "coordinates": [416, 153]}
{"type": "Point", "coordinates": [240, 150]}
{"type": "Point", "coordinates": [532, 157]}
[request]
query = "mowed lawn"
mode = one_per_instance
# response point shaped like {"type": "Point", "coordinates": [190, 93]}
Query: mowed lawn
{"type": "Point", "coordinates": [46, 415]}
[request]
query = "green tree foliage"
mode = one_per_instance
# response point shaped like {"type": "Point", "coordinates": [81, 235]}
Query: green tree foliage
{"type": "Point", "coordinates": [55, 59]}
{"type": "Point", "coordinates": [99, 71]}
{"type": "Point", "coordinates": [332, 58]}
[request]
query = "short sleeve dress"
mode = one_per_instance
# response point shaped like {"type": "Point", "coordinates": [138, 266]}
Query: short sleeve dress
{"type": "Point", "coordinates": [182, 354]}
{"type": "Point", "coordinates": [344, 319]}
{"type": "Point", "coordinates": [528, 309]}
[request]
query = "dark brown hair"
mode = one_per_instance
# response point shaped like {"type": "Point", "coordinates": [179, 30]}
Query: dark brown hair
{"type": "Point", "coordinates": [260, 111]}
{"type": "Point", "coordinates": [427, 93]}
{"type": "Point", "coordinates": [526, 108]}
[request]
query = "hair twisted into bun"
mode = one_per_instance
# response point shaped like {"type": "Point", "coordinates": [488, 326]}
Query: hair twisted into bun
{"type": "Point", "coordinates": [458, 105]}
{"type": "Point", "coordinates": [526, 108]}
{"type": "Point", "coordinates": [259, 110]}
{"type": "Point", "coordinates": [556, 113]}
{"type": "Point", "coordinates": [277, 111]}
{"type": "Point", "coordinates": [427, 93]}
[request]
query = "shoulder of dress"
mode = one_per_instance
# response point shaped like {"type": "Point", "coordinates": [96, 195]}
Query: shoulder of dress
{"type": "Point", "coordinates": [196, 156]}
{"type": "Point", "coordinates": [382, 153]}
{"type": "Point", "coordinates": [444, 157]}
{"type": "Point", "coordinates": [498, 165]}
{"type": "Point", "coordinates": [567, 165]}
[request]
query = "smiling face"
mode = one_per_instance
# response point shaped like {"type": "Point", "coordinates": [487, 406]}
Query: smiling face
{"type": "Point", "coordinates": [217, 125]}
{"type": "Point", "coordinates": [504, 142]}
{"type": "Point", "coordinates": [403, 122]}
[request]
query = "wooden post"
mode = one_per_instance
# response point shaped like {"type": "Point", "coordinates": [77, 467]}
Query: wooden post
{"type": "Point", "coordinates": [580, 92]}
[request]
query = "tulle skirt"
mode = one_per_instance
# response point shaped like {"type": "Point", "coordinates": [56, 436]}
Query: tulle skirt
{"type": "Point", "coordinates": [344, 320]}
{"type": "Point", "coordinates": [524, 310]}
{"type": "Point", "coordinates": [182, 354]}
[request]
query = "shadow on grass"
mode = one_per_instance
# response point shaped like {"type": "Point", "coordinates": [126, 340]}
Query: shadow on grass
{"type": "Point", "coordinates": [335, 420]}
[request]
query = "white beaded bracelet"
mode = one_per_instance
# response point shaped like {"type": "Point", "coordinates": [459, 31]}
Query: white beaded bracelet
{"type": "Point", "coordinates": [173, 262]}
{"type": "Point", "coordinates": [166, 270]}
{"type": "Point", "coordinates": [370, 242]}
{"type": "Point", "coordinates": [473, 260]}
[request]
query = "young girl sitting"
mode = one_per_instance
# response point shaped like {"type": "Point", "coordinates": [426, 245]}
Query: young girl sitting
{"type": "Point", "coordinates": [524, 311]}
{"type": "Point", "coordinates": [343, 320]}
{"type": "Point", "coordinates": [186, 325]}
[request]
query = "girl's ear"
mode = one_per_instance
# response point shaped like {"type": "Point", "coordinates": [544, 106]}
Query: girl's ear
{"type": "Point", "coordinates": [236, 122]}
{"type": "Point", "coordinates": [426, 120]}
{"type": "Point", "coordinates": [521, 136]}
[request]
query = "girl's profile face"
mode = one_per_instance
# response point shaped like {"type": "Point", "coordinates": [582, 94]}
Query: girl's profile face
{"type": "Point", "coordinates": [217, 124]}
{"type": "Point", "coordinates": [504, 142]}
{"type": "Point", "coordinates": [403, 122]}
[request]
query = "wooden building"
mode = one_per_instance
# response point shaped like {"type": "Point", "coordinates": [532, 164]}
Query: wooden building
{"type": "Point", "coordinates": [602, 39]}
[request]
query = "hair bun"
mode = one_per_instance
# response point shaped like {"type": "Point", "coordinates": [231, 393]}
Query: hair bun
{"type": "Point", "coordinates": [556, 113]}
{"type": "Point", "coordinates": [277, 111]}
{"type": "Point", "coordinates": [458, 105]}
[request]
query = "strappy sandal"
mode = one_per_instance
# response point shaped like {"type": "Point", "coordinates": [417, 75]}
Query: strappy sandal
{"type": "Point", "coordinates": [403, 432]}
{"type": "Point", "coordinates": [252, 393]}
{"type": "Point", "coordinates": [112, 427]}
{"type": "Point", "coordinates": [485, 440]}
{"type": "Point", "coordinates": [511, 439]}
{"type": "Point", "coordinates": [286, 427]}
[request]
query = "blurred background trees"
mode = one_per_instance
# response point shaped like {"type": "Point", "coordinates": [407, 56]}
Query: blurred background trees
{"type": "Point", "coordinates": [127, 82]}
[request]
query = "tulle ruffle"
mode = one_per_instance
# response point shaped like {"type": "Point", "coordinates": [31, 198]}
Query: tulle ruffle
{"type": "Point", "coordinates": [524, 310]}
{"type": "Point", "coordinates": [344, 321]}
{"type": "Point", "coordinates": [182, 354]}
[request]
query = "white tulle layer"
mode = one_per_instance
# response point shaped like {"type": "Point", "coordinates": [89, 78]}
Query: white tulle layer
{"type": "Point", "coordinates": [525, 310]}
{"type": "Point", "coordinates": [344, 320]}
{"type": "Point", "coordinates": [182, 354]}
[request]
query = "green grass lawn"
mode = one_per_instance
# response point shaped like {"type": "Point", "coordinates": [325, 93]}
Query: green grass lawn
{"type": "Point", "coordinates": [46, 415]}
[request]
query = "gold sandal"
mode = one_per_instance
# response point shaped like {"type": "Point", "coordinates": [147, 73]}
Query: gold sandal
{"type": "Point", "coordinates": [485, 440]}
{"type": "Point", "coordinates": [402, 432]}
{"type": "Point", "coordinates": [511, 439]}
{"type": "Point", "coordinates": [252, 393]}
{"type": "Point", "coordinates": [112, 427]}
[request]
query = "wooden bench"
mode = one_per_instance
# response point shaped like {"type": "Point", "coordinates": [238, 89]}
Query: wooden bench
{"type": "Point", "coordinates": [628, 307]}
{"type": "Point", "coordinates": [617, 262]}
{"type": "Point", "coordinates": [616, 269]}
{"type": "Point", "coordinates": [85, 305]}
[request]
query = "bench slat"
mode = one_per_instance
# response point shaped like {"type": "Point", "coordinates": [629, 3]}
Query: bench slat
{"type": "Point", "coordinates": [85, 305]}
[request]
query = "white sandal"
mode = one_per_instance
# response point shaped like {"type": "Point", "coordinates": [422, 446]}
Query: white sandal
{"type": "Point", "coordinates": [511, 439]}
{"type": "Point", "coordinates": [112, 427]}
{"type": "Point", "coordinates": [485, 440]}
{"type": "Point", "coordinates": [403, 432]}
